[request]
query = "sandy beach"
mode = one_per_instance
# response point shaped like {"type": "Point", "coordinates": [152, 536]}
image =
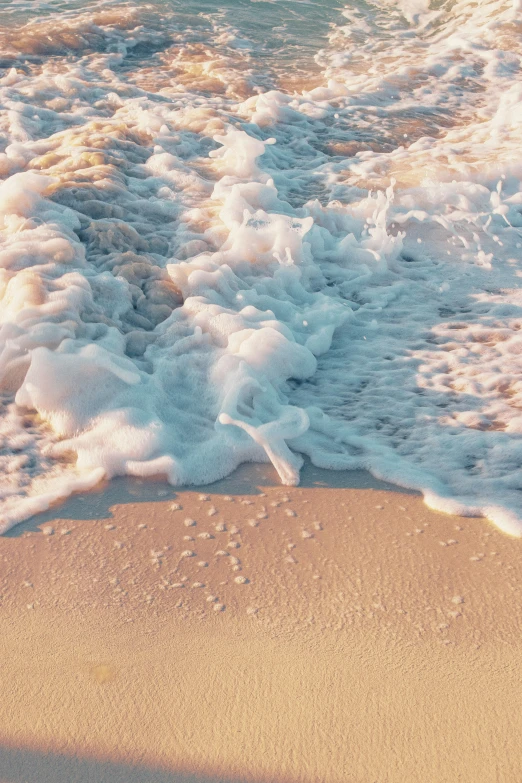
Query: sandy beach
{"type": "Point", "coordinates": [339, 631]}
{"type": "Point", "coordinates": [252, 233]}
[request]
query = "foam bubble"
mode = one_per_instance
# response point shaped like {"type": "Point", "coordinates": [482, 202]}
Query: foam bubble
{"type": "Point", "coordinates": [199, 268]}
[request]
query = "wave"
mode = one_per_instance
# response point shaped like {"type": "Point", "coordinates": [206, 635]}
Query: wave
{"type": "Point", "coordinates": [201, 265]}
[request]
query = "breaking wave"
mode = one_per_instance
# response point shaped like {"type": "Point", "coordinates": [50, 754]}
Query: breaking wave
{"type": "Point", "coordinates": [220, 246]}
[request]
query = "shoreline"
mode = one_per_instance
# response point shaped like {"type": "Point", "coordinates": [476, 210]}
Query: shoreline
{"type": "Point", "coordinates": [349, 634]}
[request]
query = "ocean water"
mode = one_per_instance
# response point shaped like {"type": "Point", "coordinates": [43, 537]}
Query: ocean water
{"type": "Point", "coordinates": [259, 231]}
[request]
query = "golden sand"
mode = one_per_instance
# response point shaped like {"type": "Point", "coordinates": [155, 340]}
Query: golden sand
{"type": "Point", "coordinates": [338, 632]}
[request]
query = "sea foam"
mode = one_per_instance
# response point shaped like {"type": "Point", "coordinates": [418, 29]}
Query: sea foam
{"type": "Point", "coordinates": [200, 269]}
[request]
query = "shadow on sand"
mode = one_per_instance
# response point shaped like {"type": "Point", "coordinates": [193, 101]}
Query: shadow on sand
{"type": "Point", "coordinates": [246, 480]}
{"type": "Point", "coordinates": [27, 765]}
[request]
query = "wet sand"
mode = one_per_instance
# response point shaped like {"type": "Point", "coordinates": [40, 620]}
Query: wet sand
{"type": "Point", "coordinates": [339, 631]}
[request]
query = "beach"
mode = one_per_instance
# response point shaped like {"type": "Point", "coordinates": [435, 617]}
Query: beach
{"type": "Point", "coordinates": [356, 636]}
{"type": "Point", "coordinates": [260, 391]}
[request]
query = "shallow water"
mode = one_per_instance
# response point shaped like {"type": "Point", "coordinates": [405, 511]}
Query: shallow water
{"type": "Point", "coordinates": [259, 232]}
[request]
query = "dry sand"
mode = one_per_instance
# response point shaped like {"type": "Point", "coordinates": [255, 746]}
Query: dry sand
{"type": "Point", "coordinates": [357, 637]}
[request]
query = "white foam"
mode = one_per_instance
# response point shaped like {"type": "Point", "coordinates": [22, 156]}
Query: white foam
{"type": "Point", "coordinates": [194, 275]}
